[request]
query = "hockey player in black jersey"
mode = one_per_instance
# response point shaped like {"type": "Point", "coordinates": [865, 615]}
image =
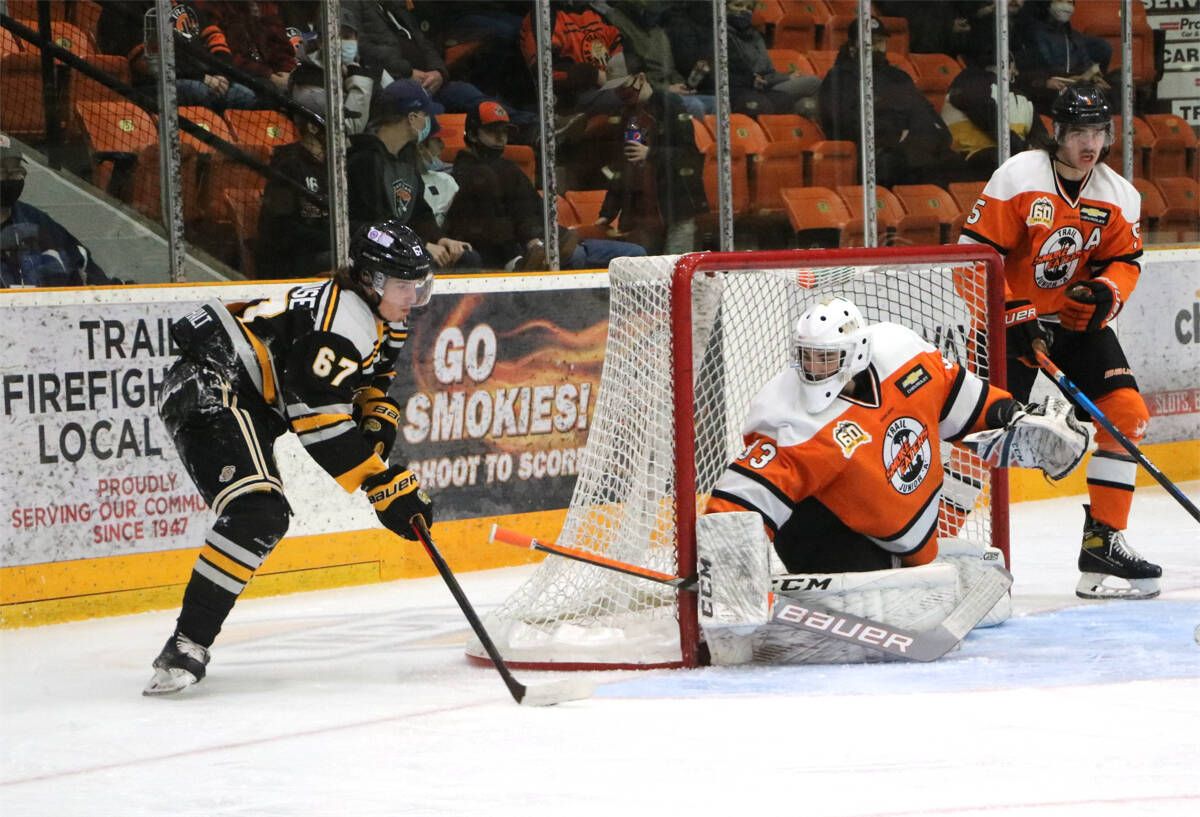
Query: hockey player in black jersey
{"type": "Point", "coordinates": [317, 362]}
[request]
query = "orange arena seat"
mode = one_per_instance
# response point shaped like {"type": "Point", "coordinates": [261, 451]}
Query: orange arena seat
{"type": "Point", "coordinates": [786, 60]}
{"type": "Point", "coordinates": [929, 199]}
{"type": "Point", "coordinates": [243, 205]}
{"type": "Point", "coordinates": [818, 216]}
{"type": "Point", "coordinates": [1174, 152]}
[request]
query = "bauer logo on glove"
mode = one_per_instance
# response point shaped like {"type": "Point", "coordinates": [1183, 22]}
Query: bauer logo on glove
{"type": "Point", "coordinates": [397, 496]}
{"type": "Point", "coordinates": [1045, 436]}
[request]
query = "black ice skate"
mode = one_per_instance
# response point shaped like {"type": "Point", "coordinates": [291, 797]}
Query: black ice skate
{"type": "Point", "coordinates": [180, 664]}
{"type": "Point", "coordinates": [1105, 557]}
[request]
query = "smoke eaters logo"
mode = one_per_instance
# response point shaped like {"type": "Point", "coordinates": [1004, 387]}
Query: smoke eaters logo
{"type": "Point", "coordinates": [1058, 258]}
{"type": "Point", "coordinates": [907, 454]}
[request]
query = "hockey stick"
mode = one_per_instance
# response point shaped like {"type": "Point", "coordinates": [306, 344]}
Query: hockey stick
{"type": "Point", "coordinates": [1080, 399]}
{"type": "Point", "coordinates": [512, 537]}
{"type": "Point", "coordinates": [554, 692]}
{"type": "Point", "coordinates": [863, 632]}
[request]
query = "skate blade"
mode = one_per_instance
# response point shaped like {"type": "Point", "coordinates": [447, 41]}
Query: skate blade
{"type": "Point", "coordinates": [1103, 586]}
{"type": "Point", "coordinates": [169, 681]}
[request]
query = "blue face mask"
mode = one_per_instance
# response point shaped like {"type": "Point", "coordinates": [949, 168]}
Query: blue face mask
{"type": "Point", "coordinates": [349, 51]}
{"type": "Point", "coordinates": [424, 134]}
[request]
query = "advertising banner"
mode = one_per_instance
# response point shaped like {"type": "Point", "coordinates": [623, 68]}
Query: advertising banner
{"type": "Point", "coordinates": [497, 388]}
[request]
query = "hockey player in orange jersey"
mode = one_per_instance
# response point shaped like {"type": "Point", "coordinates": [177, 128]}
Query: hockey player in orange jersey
{"type": "Point", "coordinates": [1067, 226]}
{"type": "Point", "coordinates": [841, 459]}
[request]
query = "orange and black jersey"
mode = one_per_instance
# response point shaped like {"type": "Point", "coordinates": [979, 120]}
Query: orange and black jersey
{"type": "Point", "coordinates": [1051, 239]}
{"type": "Point", "coordinates": [307, 353]}
{"type": "Point", "coordinates": [873, 460]}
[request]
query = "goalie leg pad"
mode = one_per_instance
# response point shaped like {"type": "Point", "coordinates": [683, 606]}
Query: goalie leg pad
{"type": "Point", "coordinates": [1044, 435]}
{"type": "Point", "coordinates": [971, 560]}
{"type": "Point", "coordinates": [915, 598]}
{"type": "Point", "coordinates": [731, 552]}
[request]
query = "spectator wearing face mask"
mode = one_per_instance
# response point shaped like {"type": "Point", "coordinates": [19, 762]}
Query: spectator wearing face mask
{"type": "Point", "coordinates": [755, 87]}
{"type": "Point", "coordinates": [357, 82]}
{"type": "Point", "coordinates": [35, 250]}
{"type": "Point", "coordinates": [1055, 56]}
{"type": "Point", "coordinates": [383, 172]}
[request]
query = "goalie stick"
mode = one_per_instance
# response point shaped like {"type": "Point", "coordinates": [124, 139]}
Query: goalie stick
{"type": "Point", "coordinates": [1080, 399]}
{"type": "Point", "coordinates": [927, 645]}
{"type": "Point", "coordinates": [548, 694]}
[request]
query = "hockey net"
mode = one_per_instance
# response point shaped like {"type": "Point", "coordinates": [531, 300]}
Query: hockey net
{"type": "Point", "coordinates": [691, 339]}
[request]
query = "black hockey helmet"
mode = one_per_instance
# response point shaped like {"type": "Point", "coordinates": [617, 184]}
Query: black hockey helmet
{"type": "Point", "coordinates": [1082, 104]}
{"type": "Point", "coordinates": [389, 249]}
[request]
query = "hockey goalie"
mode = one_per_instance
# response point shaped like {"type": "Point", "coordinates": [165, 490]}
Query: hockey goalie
{"type": "Point", "coordinates": [835, 498]}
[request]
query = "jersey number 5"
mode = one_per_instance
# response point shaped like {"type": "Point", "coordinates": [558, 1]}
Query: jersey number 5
{"type": "Point", "coordinates": [323, 366]}
{"type": "Point", "coordinates": [975, 214]}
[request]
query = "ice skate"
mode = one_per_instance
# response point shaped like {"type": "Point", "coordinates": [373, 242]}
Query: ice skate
{"type": "Point", "coordinates": [180, 664]}
{"type": "Point", "coordinates": [1111, 569]}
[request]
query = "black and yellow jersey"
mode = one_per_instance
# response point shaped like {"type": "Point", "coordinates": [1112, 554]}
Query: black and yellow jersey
{"type": "Point", "coordinates": [306, 353]}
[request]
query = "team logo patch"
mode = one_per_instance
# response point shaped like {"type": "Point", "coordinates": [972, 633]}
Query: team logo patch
{"type": "Point", "coordinates": [227, 474]}
{"type": "Point", "coordinates": [402, 192]}
{"type": "Point", "coordinates": [849, 435]}
{"type": "Point", "coordinates": [1096, 215]}
{"type": "Point", "coordinates": [907, 454]}
{"type": "Point", "coordinates": [913, 379]}
{"type": "Point", "coordinates": [1041, 212]}
{"type": "Point", "coordinates": [1058, 258]}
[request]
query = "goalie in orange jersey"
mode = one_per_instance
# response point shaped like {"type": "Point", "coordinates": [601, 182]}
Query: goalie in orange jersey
{"type": "Point", "coordinates": [1068, 228]}
{"type": "Point", "coordinates": [842, 448]}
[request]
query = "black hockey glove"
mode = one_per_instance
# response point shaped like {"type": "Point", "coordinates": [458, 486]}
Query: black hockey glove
{"type": "Point", "coordinates": [1089, 306]}
{"type": "Point", "coordinates": [398, 497]}
{"type": "Point", "coordinates": [378, 420]}
{"type": "Point", "coordinates": [1022, 329]}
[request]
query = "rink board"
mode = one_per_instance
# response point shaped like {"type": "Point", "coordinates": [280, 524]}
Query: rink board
{"type": "Point", "coordinates": [504, 370]}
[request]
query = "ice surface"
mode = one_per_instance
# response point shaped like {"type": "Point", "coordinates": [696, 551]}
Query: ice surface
{"type": "Point", "coordinates": [359, 702]}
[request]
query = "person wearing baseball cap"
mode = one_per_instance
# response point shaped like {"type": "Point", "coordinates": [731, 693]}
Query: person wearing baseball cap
{"type": "Point", "coordinates": [384, 172]}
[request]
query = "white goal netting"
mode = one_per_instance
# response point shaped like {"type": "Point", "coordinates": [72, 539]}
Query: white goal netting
{"type": "Point", "coordinates": [658, 411]}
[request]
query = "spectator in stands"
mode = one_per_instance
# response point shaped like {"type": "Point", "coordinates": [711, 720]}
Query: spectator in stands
{"type": "Point", "coordinates": [1054, 55]}
{"type": "Point", "coordinates": [293, 229]}
{"type": "Point", "coordinates": [657, 188]}
{"type": "Point", "coordinates": [970, 113]}
{"type": "Point", "coordinates": [392, 45]}
{"type": "Point", "coordinates": [35, 250]}
{"type": "Point", "coordinates": [257, 40]}
{"type": "Point", "coordinates": [384, 177]}
{"type": "Point", "coordinates": [358, 84]}
{"type": "Point", "coordinates": [202, 55]}
{"type": "Point", "coordinates": [499, 211]}
{"type": "Point", "coordinates": [440, 185]}
{"type": "Point", "coordinates": [689, 27]}
{"type": "Point", "coordinates": [755, 86]}
{"type": "Point", "coordinates": [934, 26]}
{"type": "Point", "coordinates": [648, 51]}
{"type": "Point", "coordinates": [912, 143]}
{"type": "Point", "coordinates": [587, 56]}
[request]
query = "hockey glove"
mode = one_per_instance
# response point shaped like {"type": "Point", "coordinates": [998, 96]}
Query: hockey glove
{"type": "Point", "coordinates": [378, 421]}
{"type": "Point", "coordinates": [398, 497]}
{"type": "Point", "coordinates": [1042, 435]}
{"type": "Point", "coordinates": [1089, 306]}
{"type": "Point", "coordinates": [1022, 329]}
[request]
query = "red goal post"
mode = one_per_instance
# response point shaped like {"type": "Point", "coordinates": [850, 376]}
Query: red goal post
{"type": "Point", "coordinates": [690, 340]}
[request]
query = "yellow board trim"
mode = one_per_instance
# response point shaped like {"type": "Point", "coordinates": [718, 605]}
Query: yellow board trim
{"type": "Point", "coordinates": [1179, 461]}
{"type": "Point", "coordinates": [33, 595]}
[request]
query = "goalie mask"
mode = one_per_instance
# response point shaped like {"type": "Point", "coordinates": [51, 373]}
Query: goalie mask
{"type": "Point", "coordinates": [388, 256]}
{"type": "Point", "coordinates": [829, 346]}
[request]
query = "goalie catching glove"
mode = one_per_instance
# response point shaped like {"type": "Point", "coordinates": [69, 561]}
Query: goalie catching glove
{"type": "Point", "coordinates": [397, 496]}
{"type": "Point", "coordinates": [1042, 435]}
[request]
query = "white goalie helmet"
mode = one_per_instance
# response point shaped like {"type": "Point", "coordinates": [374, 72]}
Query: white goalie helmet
{"type": "Point", "coordinates": [830, 345]}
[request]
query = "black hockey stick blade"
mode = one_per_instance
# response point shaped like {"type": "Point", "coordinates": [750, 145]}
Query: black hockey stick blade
{"type": "Point", "coordinates": [900, 642]}
{"type": "Point", "coordinates": [548, 694]}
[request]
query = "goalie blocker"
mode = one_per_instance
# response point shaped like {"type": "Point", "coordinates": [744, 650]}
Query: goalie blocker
{"type": "Point", "coordinates": [750, 615]}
